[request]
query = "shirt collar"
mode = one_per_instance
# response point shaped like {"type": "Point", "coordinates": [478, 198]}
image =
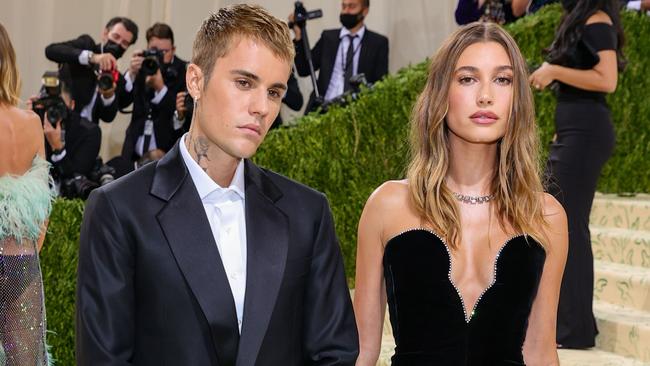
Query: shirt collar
{"type": "Point", "coordinates": [344, 32]}
{"type": "Point", "coordinates": [204, 184]}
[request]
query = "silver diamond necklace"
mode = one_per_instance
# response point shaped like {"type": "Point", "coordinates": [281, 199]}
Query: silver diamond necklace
{"type": "Point", "coordinates": [473, 200]}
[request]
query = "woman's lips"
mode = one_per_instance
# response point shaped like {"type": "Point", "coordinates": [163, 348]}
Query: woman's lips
{"type": "Point", "coordinates": [484, 117]}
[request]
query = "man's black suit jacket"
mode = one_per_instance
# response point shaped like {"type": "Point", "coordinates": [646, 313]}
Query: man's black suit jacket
{"type": "Point", "coordinates": [83, 77]}
{"type": "Point", "coordinates": [373, 59]}
{"type": "Point", "coordinates": [162, 114]}
{"type": "Point", "coordinates": [152, 289]}
{"type": "Point", "coordinates": [82, 143]}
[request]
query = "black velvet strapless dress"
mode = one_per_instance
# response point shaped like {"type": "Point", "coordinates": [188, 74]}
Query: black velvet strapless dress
{"type": "Point", "coordinates": [430, 323]}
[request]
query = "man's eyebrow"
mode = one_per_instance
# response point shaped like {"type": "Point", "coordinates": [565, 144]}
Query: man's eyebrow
{"type": "Point", "coordinates": [245, 73]}
{"type": "Point", "coordinates": [256, 78]}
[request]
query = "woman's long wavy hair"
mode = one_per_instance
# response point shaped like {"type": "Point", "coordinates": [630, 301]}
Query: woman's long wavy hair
{"type": "Point", "coordinates": [516, 183]}
{"type": "Point", "coordinates": [9, 79]}
{"type": "Point", "coordinates": [574, 18]}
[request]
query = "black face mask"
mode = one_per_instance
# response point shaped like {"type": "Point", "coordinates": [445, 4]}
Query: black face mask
{"type": "Point", "coordinates": [350, 21]}
{"type": "Point", "coordinates": [113, 48]}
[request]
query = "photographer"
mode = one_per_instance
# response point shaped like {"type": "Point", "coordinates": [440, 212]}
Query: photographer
{"type": "Point", "coordinates": [71, 141]}
{"type": "Point", "coordinates": [92, 67]}
{"type": "Point", "coordinates": [155, 77]}
{"type": "Point", "coordinates": [344, 52]}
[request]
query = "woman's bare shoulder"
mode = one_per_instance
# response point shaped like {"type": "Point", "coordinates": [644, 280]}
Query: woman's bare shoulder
{"type": "Point", "coordinates": [599, 17]}
{"type": "Point", "coordinates": [390, 194]}
{"type": "Point", "coordinates": [21, 128]}
{"type": "Point", "coordinates": [555, 216]}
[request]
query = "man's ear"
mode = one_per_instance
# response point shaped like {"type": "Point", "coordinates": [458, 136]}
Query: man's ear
{"type": "Point", "coordinates": [194, 80]}
{"type": "Point", "coordinates": [105, 35]}
{"type": "Point", "coordinates": [365, 11]}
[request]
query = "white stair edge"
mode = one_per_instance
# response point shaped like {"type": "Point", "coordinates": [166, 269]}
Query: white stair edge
{"type": "Point", "coordinates": [620, 232]}
{"type": "Point", "coordinates": [595, 357]}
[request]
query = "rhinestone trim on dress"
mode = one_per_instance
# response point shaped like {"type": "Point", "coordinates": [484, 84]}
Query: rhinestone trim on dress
{"type": "Point", "coordinates": [451, 281]}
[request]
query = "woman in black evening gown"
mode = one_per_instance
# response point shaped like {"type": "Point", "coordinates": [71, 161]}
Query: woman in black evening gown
{"type": "Point", "coordinates": [468, 251]}
{"type": "Point", "coordinates": [584, 60]}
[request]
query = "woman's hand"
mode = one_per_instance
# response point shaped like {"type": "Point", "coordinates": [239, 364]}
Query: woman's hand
{"type": "Point", "coordinates": [543, 76]}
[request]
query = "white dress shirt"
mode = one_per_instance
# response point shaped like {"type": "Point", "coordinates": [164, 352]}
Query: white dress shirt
{"type": "Point", "coordinates": [336, 85]}
{"type": "Point", "coordinates": [224, 208]}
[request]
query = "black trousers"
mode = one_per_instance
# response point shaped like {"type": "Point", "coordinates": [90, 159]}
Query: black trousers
{"type": "Point", "coordinates": [585, 140]}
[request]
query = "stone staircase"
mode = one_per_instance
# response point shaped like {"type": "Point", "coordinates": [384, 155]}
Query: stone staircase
{"type": "Point", "coordinates": [620, 230]}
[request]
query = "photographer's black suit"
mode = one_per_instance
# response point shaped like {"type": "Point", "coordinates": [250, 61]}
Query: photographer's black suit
{"type": "Point", "coordinates": [162, 114]}
{"type": "Point", "coordinates": [373, 59]}
{"type": "Point", "coordinates": [152, 289]}
{"type": "Point", "coordinates": [82, 142]}
{"type": "Point", "coordinates": [83, 83]}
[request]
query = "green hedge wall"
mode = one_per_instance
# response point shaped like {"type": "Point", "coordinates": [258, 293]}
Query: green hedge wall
{"type": "Point", "coordinates": [347, 152]}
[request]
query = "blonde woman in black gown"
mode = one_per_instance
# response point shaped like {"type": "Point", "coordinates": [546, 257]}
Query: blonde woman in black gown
{"type": "Point", "coordinates": [468, 251]}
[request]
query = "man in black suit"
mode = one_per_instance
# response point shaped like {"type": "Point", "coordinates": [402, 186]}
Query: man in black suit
{"type": "Point", "coordinates": [203, 258]}
{"type": "Point", "coordinates": [83, 60]}
{"type": "Point", "coordinates": [344, 52]}
{"type": "Point", "coordinates": [72, 142]}
{"type": "Point", "coordinates": [153, 89]}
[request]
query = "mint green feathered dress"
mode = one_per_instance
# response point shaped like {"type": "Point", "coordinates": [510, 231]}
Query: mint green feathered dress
{"type": "Point", "coordinates": [25, 204]}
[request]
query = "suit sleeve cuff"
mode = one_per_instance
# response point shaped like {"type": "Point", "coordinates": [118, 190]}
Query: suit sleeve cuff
{"type": "Point", "coordinates": [128, 85]}
{"type": "Point", "coordinates": [84, 57]}
{"type": "Point", "coordinates": [178, 123]}
{"type": "Point", "coordinates": [58, 157]}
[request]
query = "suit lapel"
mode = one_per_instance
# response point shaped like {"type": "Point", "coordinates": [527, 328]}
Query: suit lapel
{"type": "Point", "coordinates": [364, 56]}
{"type": "Point", "coordinates": [188, 233]}
{"type": "Point", "coordinates": [267, 236]}
{"type": "Point", "coordinates": [327, 66]}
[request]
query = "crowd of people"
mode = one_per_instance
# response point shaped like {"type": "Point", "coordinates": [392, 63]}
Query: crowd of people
{"type": "Point", "coordinates": [204, 258]}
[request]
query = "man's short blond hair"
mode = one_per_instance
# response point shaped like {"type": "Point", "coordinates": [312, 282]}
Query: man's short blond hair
{"type": "Point", "coordinates": [231, 23]}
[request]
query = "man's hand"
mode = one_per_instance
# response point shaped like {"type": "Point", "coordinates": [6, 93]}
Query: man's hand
{"type": "Point", "coordinates": [155, 81]}
{"type": "Point", "coordinates": [29, 103]}
{"type": "Point", "coordinates": [53, 134]}
{"type": "Point", "coordinates": [136, 64]}
{"type": "Point", "coordinates": [180, 105]}
{"type": "Point", "coordinates": [105, 61]}
{"type": "Point", "coordinates": [296, 28]}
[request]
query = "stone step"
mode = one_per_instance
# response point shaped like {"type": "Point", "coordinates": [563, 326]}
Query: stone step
{"type": "Point", "coordinates": [613, 211]}
{"type": "Point", "coordinates": [591, 357]}
{"type": "Point", "coordinates": [623, 331]}
{"type": "Point", "coordinates": [624, 246]}
{"type": "Point", "coordinates": [622, 284]}
{"type": "Point", "coordinates": [595, 357]}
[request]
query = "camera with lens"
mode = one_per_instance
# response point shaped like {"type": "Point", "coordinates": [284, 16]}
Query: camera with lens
{"type": "Point", "coordinates": [356, 82]}
{"type": "Point", "coordinates": [102, 174]}
{"type": "Point", "coordinates": [153, 58]}
{"type": "Point", "coordinates": [49, 99]}
{"type": "Point", "coordinates": [80, 186]}
{"type": "Point", "coordinates": [106, 79]}
{"type": "Point", "coordinates": [301, 15]}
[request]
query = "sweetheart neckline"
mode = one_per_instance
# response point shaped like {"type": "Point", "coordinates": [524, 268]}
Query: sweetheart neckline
{"type": "Point", "coordinates": [467, 316]}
